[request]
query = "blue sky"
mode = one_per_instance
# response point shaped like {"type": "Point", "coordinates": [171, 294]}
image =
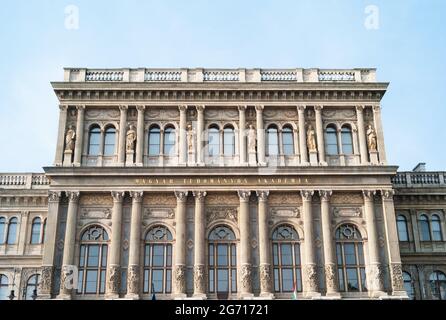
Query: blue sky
{"type": "Point", "coordinates": [408, 48]}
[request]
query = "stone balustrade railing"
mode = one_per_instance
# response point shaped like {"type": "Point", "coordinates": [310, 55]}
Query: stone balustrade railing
{"type": "Point", "coordinates": [419, 179]}
{"type": "Point", "coordinates": [219, 75]}
{"type": "Point", "coordinates": [23, 181]}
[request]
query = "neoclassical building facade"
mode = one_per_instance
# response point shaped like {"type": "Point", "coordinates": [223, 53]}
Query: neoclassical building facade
{"type": "Point", "coordinates": [222, 184]}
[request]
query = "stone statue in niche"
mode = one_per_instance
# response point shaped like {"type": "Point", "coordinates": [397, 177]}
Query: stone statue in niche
{"type": "Point", "coordinates": [311, 139]}
{"type": "Point", "coordinates": [252, 137]}
{"type": "Point", "coordinates": [131, 138]}
{"type": "Point", "coordinates": [190, 138]}
{"type": "Point", "coordinates": [371, 138]}
{"type": "Point", "coordinates": [70, 137]}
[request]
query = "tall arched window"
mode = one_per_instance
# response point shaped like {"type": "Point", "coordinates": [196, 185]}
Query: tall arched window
{"type": "Point", "coordinates": [408, 285]}
{"type": "Point", "coordinates": [12, 231]}
{"type": "Point", "coordinates": [169, 141]}
{"type": "Point", "coordinates": [425, 232]}
{"type": "Point", "coordinates": [154, 141]}
{"type": "Point", "coordinates": [4, 286]}
{"type": "Point", "coordinates": [213, 141]}
{"type": "Point", "coordinates": [287, 141]}
{"type": "Point", "coordinates": [32, 287]}
{"type": "Point", "coordinates": [272, 139]}
{"type": "Point", "coordinates": [109, 141]}
{"type": "Point", "coordinates": [286, 259]}
{"type": "Point", "coordinates": [94, 141]}
{"type": "Point", "coordinates": [438, 285]}
{"type": "Point", "coordinates": [158, 261]}
{"type": "Point", "coordinates": [436, 228]}
{"type": "Point", "coordinates": [350, 259]}
{"type": "Point", "coordinates": [228, 141]}
{"type": "Point", "coordinates": [222, 261]}
{"type": "Point", "coordinates": [35, 231]}
{"type": "Point", "coordinates": [2, 230]}
{"type": "Point", "coordinates": [331, 140]}
{"type": "Point", "coordinates": [402, 228]}
{"type": "Point", "coordinates": [93, 261]}
{"type": "Point", "coordinates": [347, 140]}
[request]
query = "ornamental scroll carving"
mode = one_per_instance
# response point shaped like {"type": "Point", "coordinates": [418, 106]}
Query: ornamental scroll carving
{"type": "Point", "coordinates": [133, 279]}
{"type": "Point", "coordinates": [330, 277]}
{"type": "Point", "coordinates": [311, 278]}
{"type": "Point", "coordinates": [159, 213]}
{"type": "Point", "coordinates": [222, 213]}
{"type": "Point", "coordinates": [114, 278]}
{"type": "Point", "coordinates": [290, 212]}
{"type": "Point", "coordinates": [199, 278]}
{"type": "Point", "coordinates": [347, 212]}
{"type": "Point", "coordinates": [265, 277]}
{"type": "Point", "coordinates": [47, 279]}
{"type": "Point", "coordinates": [396, 272]}
{"type": "Point", "coordinates": [245, 275]}
{"type": "Point", "coordinates": [180, 278]}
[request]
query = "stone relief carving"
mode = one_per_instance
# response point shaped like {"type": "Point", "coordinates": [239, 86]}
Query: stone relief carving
{"type": "Point", "coordinates": [181, 195]}
{"type": "Point", "coordinates": [180, 278]}
{"type": "Point", "coordinates": [161, 199]}
{"type": "Point", "coordinates": [347, 212]}
{"type": "Point", "coordinates": [222, 213]}
{"type": "Point", "coordinates": [95, 200]}
{"type": "Point", "coordinates": [130, 139]}
{"type": "Point", "coordinates": [285, 198]}
{"type": "Point", "coordinates": [114, 279]}
{"type": "Point", "coordinates": [245, 275]}
{"type": "Point", "coordinates": [347, 198]}
{"type": "Point", "coordinates": [330, 277]}
{"type": "Point", "coordinates": [396, 272]}
{"type": "Point", "coordinates": [159, 213]}
{"type": "Point", "coordinates": [371, 138]}
{"type": "Point", "coordinates": [133, 279]}
{"type": "Point", "coordinates": [291, 212]}
{"type": "Point", "coordinates": [312, 281]}
{"type": "Point", "coordinates": [70, 138]}
{"type": "Point", "coordinates": [47, 279]}
{"type": "Point", "coordinates": [53, 196]}
{"type": "Point", "coordinates": [265, 277]}
{"type": "Point", "coordinates": [96, 213]}
{"type": "Point", "coordinates": [199, 278]}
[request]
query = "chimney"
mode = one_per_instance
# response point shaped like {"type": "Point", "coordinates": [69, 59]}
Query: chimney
{"type": "Point", "coordinates": [421, 167]}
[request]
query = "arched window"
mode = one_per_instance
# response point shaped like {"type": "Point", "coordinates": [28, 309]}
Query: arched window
{"type": "Point", "coordinates": [158, 261]}
{"type": "Point", "coordinates": [32, 287]}
{"type": "Point", "coordinates": [2, 230]}
{"type": "Point", "coordinates": [222, 261]}
{"type": "Point", "coordinates": [94, 141]}
{"type": "Point", "coordinates": [228, 141]}
{"type": "Point", "coordinates": [425, 232]}
{"type": "Point", "coordinates": [438, 285]}
{"type": "Point", "coordinates": [154, 141]}
{"type": "Point", "coordinates": [93, 261]}
{"type": "Point", "coordinates": [272, 139]}
{"type": "Point", "coordinates": [288, 141]}
{"type": "Point", "coordinates": [436, 228]}
{"type": "Point", "coordinates": [35, 231]}
{"type": "Point", "coordinates": [331, 140]}
{"type": "Point", "coordinates": [4, 286]}
{"type": "Point", "coordinates": [12, 231]}
{"type": "Point", "coordinates": [213, 141]}
{"type": "Point", "coordinates": [109, 141]}
{"type": "Point", "coordinates": [169, 141]}
{"type": "Point", "coordinates": [286, 259]}
{"type": "Point", "coordinates": [402, 228]}
{"type": "Point", "coordinates": [347, 140]}
{"type": "Point", "coordinates": [350, 259]}
{"type": "Point", "coordinates": [408, 285]}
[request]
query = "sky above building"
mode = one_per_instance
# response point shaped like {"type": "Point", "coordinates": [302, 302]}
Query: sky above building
{"type": "Point", "coordinates": [404, 39]}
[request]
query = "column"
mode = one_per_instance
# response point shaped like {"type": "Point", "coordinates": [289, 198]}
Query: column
{"type": "Point", "coordinates": [114, 262]}
{"type": "Point", "coordinates": [311, 284]}
{"type": "Point", "coordinates": [122, 135]}
{"type": "Point", "coordinates": [245, 247]}
{"type": "Point", "coordinates": [78, 147]}
{"type": "Point", "coordinates": [361, 134]}
{"type": "Point", "coordinates": [375, 270]}
{"type": "Point", "coordinates": [49, 246]}
{"type": "Point", "coordinates": [179, 274]}
{"type": "Point", "coordinates": [183, 139]}
{"type": "Point", "coordinates": [22, 232]}
{"type": "Point", "coordinates": [329, 254]}
{"type": "Point", "coordinates": [68, 269]}
{"type": "Point", "coordinates": [264, 246]}
{"type": "Point", "coordinates": [242, 135]}
{"type": "Point", "coordinates": [260, 135]}
{"type": "Point", "coordinates": [379, 133]}
{"type": "Point", "coordinates": [133, 272]}
{"type": "Point", "coordinates": [320, 134]}
{"type": "Point", "coordinates": [393, 248]}
{"type": "Point", "coordinates": [140, 135]}
{"type": "Point", "coordinates": [302, 135]}
{"type": "Point", "coordinates": [199, 246]}
{"type": "Point", "coordinates": [200, 133]}
{"type": "Point", "coordinates": [58, 161]}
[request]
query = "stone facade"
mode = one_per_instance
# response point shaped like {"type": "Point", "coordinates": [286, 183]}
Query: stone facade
{"type": "Point", "coordinates": [220, 184]}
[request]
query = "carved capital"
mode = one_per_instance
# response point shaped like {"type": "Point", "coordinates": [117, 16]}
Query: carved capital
{"type": "Point", "coordinates": [376, 108]}
{"type": "Point", "coordinates": [182, 108]}
{"type": "Point", "coordinates": [200, 108]}
{"type": "Point", "coordinates": [53, 196]}
{"type": "Point", "coordinates": [123, 108]}
{"type": "Point", "coordinates": [318, 108]}
{"type": "Point", "coordinates": [136, 195]}
{"type": "Point", "coordinates": [179, 278]}
{"type": "Point", "coordinates": [368, 194]}
{"type": "Point", "coordinates": [301, 108]}
{"type": "Point", "coordinates": [200, 279]}
{"type": "Point", "coordinates": [242, 108]}
{"type": "Point", "coordinates": [244, 195]}
{"type": "Point", "coordinates": [140, 108]}
{"type": "Point", "coordinates": [114, 279]}
{"type": "Point", "coordinates": [133, 280]}
{"type": "Point", "coordinates": [63, 108]}
{"type": "Point", "coordinates": [262, 195]}
{"type": "Point", "coordinates": [117, 196]}
{"type": "Point", "coordinates": [259, 107]}
{"type": "Point", "coordinates": [181, 195]}
{"type": "Point", "coordinates": [388, 194]}
{"type": "Point", "coordinates": [325, 194]}
{"type": "Point", "coordinates": [199, 195]}
{"type": "Point", "coordinates": [307, 195]}
{"type": "Point", "coordinates": [359, 108]}
{"type": "Point", "coordinates": [73, 196]}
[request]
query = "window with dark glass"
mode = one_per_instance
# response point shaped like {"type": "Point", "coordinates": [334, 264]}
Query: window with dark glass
{"type": "Point", "coordinates": [331, 141]}
{"type": "Point", "coordinates": [169, 141]}
{"type": "Point", "coordinates": [425, 232]}
{"type": "Point", "coordinates": [12, 231]}
{"type": "Point", "coordinates": [158, 261]}
{"type": "Point", "coordinates": [350, 259]}
{"type": "Point", "coordinates": [347, 140]}
{"type": "Point", "coordinates": [35, 231]}
{"type": "Point", "coordinates": [287, 267]}
{"type": "Point", "coordinates": [32, 287]}
{"type": "Point", "coordinates": [222, 261]}
{"type": "Point", "coordinates": [2, 230]}
{"type": "Point", "coordinates": [4, 287]}
{"type": "Point", "coordinates": [402, 228]}
{"type": "Point", "coordinates": [438, 285]}
{"type": "Point", "coordinates": [272, 138]}
{"type": "Point", "coordinates": [214, 141]}
{"type": "Point", "coordinates": [109, 141]}
{"type": "Point", "coordinates": [154, 141]}
{"type": "Point", "coordinates": [94, 141]}
{"type": "Point", "coordinates": [408, 285]}
{"type": "Point", "coordinates": [287, 141]}
{"type": "Point", "coordinates": [228, 141]}
{"type": "Point", "coordinates": [436, 228]}
{"type": "Point", "coordinates": [93, 261]}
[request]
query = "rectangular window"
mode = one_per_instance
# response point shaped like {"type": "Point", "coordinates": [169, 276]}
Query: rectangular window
{"type": "Point", "coordinates": [297, 254]}
{"type": "Point", "coordinates": [169, 255]}
{"type": "Point", "coordinates": [287, 280]}
{"type": "Point", "coordinates": [352, 279]}
{"type": "Point", "coordinates": [91, 281]}
{"type": "Point", "coordinates": [288, 143]}
{"type": "Point", "coordinates": [222, 255]}
{"type": "Point", "coordinates": [363, 279]}
{"type": "Point", "coordinates": [339, 254]}
{"type": "Point", "coordinates": [275, 255]}
{"type": "Point", "coordinates": [276, 280]}
{"type": "Point", "coordinates": [147, 256]}
{"type": "Point", "coordinates": [79, 281]}
{"type": "Point", "coordinates": [157, 280]}
{"type": "Point", "coordinates": [82, 256]}
{"type": "Point", "coordinates": [222, 280]}
{"type": "Point", "coordinates": [211, 281]}
{"type": "Point", "coordinates": [299, 279]}
{"type": "Point", "coordinates": [341, 279]}
{"type": "Point", "coordinates": [102, 284]}
{"type": "Point", "coordinates": [93, 256]}
{"type": "Point", "coordinates": [233, 255]}
{"type": "Point", "coordinates": [349, 253]}
{"type": "Point", "coordinates": [168, 281]}
{"type": "Point", "coordinates": [234, 280]}
{"type": "Point", "coordinates": [211, 255]}
{"type": "Point", "coordinates": [158, 256]}
{"type": "Point", "coordinates": [146, 281]}
{"type": "Point", "coordinates": [286, 255]}
{"type": "Point", "coordinates": [104, 256]}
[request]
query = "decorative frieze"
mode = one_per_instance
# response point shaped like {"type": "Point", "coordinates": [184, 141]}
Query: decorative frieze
{"type": "Point", "coordinates": [221, 213]}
